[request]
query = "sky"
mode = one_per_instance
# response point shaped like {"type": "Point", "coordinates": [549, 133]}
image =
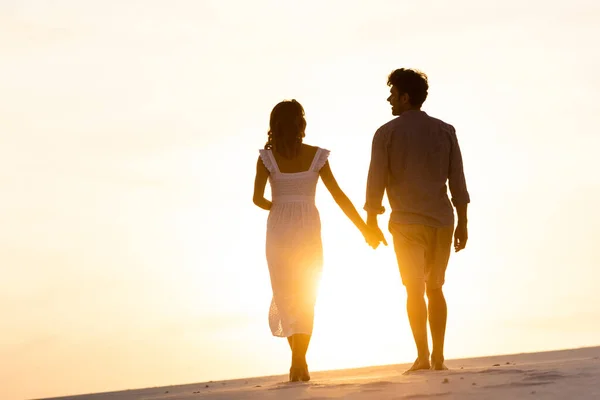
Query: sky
{"type": "Point", "coordinates": [131, 254]}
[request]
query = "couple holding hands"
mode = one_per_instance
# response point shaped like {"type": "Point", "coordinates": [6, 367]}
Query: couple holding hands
{"type": "Point", "coordinates": [414, 158]}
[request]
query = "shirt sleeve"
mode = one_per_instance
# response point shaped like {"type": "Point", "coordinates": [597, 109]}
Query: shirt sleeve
{"type": "Point", "coordinates": [378, 173]}
{"type": "Point", "coordinates": [456, 175]}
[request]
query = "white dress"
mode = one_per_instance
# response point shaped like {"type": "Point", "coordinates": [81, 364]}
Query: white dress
{"type": "Point", "coordinates": [294, 249]}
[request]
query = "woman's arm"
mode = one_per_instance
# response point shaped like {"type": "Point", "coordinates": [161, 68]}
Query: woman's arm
{"type": "Point", "coordinates": [260, 181]}
{"type": "Point", "coordinates": [341, 199]}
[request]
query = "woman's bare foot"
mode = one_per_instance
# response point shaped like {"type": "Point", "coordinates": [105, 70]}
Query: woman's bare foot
{"type": "Point", "coordinates": [295, 374]}
{"type": "Point", "coordinates": [420, 364]}
{"type": "Point", "coordinates": [305, 377]}
{"type": "Point", "coordinates": [299, 372]}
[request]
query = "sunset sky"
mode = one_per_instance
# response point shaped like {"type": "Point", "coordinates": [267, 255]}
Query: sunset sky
{"type": "Point", "coordinates": [131, 254]}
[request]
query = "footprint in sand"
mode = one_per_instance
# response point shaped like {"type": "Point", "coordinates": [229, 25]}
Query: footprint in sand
{"type": "Point", "coordinates": [544, 376]}
{"type": "Point", "coordinates": [374, 386]}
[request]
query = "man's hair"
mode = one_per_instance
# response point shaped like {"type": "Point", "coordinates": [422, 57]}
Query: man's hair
{"type": "Point", "coordinates": [412, 82]}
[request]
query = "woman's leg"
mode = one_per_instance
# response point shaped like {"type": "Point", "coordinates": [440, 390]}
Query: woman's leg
{"type": "Point", "coordinates": [299, 369]}
{"type": "Point", "coordinates": [305, 314]}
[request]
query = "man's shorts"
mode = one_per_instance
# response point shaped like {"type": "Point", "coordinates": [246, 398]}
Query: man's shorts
{"type": "Point", "coordinates": [422, 252]}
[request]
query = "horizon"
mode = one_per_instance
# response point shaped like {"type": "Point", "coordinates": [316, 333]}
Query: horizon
{"type": "Point", "coordinates": [132, 255]}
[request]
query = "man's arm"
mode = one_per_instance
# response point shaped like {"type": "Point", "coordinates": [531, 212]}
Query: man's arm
{"type": "Point", "coordinates": [459, 192]}
{"type": "Point", "coordinates": [377, 178]}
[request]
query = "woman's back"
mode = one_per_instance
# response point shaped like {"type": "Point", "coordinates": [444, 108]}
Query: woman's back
{"type": "Point", "coordinates": [301, 163]}
{"type": "Point", "coordinates": [294, 180]}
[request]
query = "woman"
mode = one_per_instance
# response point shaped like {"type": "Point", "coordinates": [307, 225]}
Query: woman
{"type": "Point", "coordinates": [294, 250]}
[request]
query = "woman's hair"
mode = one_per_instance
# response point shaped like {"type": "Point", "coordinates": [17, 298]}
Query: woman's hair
{"type": "Point", "coordinates": [286, 128]}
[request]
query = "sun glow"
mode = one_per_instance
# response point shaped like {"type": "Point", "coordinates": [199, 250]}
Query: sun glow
{"type": "Point", "coordinates": [359, 319]}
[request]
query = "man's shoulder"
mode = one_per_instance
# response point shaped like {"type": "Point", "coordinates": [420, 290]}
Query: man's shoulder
{"type": "Point", "coordinates": [401, 122]}
{"type": "Point", "coordinates": [390, 125]}
{"type": "Point", "coordinates": [442, 124]}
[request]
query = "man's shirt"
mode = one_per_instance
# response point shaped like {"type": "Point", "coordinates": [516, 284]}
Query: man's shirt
{"type": "Point", "coordinates": [412, 158]}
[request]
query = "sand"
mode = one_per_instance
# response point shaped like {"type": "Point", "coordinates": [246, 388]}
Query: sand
{"type": "Point", "coordinates": [566, 374]}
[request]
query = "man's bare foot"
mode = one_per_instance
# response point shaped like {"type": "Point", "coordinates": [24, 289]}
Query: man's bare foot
{"type": "Point", "coordinates": [420, 364]}
{"type": "Point", "coordinates": [439, 366]}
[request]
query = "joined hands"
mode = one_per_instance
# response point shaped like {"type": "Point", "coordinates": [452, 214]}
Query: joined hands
{"type": "Point", "coordinates": [374, 236]}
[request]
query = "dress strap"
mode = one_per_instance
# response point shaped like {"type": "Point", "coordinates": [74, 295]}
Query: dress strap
{"type": "Point", "coordinates": [320, 159]}
{"type": "Point", "coordinates": [268, 160]}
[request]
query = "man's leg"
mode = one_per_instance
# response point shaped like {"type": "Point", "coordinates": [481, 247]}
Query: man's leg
{"type": "Point", "coordinates": [438, 314]}
{"type": "Point", "coordinates": [409, 245]}
{"type": "Point", "coordinates": [437, 257]}
{"type": "Point", "coordinates": [417, 316]}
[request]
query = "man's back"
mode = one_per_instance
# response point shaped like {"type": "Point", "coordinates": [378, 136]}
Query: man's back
{"type": "Point", "coordinates": [413, 157]}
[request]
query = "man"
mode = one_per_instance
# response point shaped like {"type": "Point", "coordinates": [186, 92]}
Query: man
{"type": "Point", "coordinates": [412, 158]}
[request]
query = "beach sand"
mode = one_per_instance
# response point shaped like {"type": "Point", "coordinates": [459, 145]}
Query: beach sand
{"type": "Point", "coordinates": [566, 374]}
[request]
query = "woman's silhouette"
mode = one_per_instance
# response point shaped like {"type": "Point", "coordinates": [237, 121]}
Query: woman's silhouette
{"type": "Point", "coordinates": [294, 250]}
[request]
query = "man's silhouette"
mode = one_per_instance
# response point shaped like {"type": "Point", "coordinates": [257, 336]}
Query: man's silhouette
{"type": "Point", "coordinates": [413, 156]}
